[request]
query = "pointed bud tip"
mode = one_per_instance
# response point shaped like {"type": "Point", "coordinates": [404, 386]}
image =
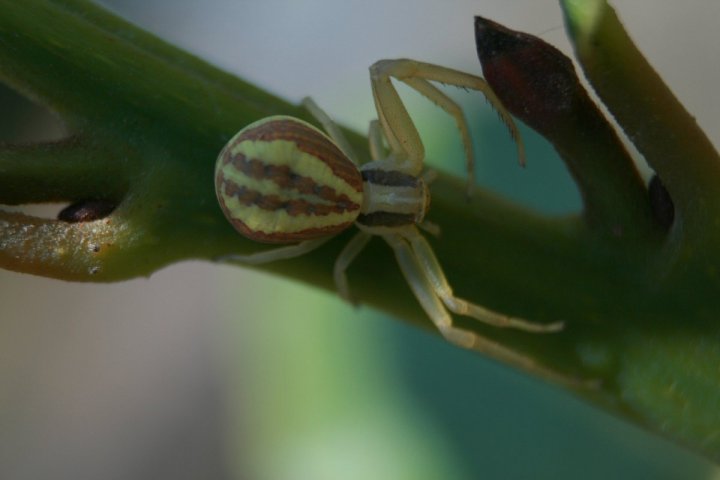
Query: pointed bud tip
{"type": "Point", "coordinates": [534, 80]}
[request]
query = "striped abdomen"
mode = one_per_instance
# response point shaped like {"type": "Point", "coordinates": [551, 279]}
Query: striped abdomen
{"type": "Point", "coordinates": [281, 180]}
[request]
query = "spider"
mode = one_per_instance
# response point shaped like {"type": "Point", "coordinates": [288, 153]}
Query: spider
{"type": "Point", "coordinates": [281, 180]}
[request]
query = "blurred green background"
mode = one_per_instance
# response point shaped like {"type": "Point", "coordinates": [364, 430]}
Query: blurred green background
{"type": "Point", "coordinates": [215, 372]}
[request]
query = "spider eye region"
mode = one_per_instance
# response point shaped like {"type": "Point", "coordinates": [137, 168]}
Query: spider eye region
{"type": "Point", "coordinates": [281, 180]}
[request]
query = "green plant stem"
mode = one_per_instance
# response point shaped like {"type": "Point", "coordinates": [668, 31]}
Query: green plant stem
{"type": "Point", "coordinates": [647, 110]}
{"type": "Point", "coordinates": [148, 121]}
{"type": "Point", "coordinates": [78, 171]}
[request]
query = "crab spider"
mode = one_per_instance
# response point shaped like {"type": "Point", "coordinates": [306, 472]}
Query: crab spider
{"type": "Point", "coordinates": [281, 180]}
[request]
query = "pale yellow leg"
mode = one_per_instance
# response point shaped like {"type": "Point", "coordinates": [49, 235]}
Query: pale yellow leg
{"type": "Point", "coordinates": [330, 127]}
{"type": "Point", "coordinates": [281, 253]}
{"type": "Point", "coordinates": [453, 109]}
{"type": "Point", "coordinates": [400, 131]}
{"type": "Point", "coordinates": [375, 141]}
{"type": "Point", "coordinates": [346, 257]}
{"type": "Point", "coordinates": [431, 268]}
{"type": "Point", "coordinates": [425, 292]}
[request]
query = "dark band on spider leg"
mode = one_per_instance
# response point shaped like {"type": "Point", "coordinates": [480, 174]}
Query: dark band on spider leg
{"type": "Point", "coordinates": [389, 178]}
{"type": "Point", "coordinates": [386, 219]}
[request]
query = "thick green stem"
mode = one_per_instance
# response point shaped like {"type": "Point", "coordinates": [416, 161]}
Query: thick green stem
{"type": "Point", "coordinates": [78, 169]}
{"type": "Point", "coordinates": [148, 121]}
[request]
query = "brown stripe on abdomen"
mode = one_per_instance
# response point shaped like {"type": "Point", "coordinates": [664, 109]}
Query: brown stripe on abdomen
{"type": "Point", "coordinates": [286, 178]}
{"type": "Point", "coordinates": [294, 207]}
{"type": "Point", "coordinates": [308, 140]}
{"type": "Point", "coordinates": [283, 236]}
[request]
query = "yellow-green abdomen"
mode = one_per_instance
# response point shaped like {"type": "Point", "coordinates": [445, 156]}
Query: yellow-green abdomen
{"type": "Point", "coordinates": [281, 180]}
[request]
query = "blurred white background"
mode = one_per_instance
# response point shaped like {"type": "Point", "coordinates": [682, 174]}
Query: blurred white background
{"type": "Point", "coordinates": [204, 371]}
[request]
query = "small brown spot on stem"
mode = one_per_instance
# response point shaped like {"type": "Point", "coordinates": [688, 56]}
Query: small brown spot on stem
{"type": "Point", "coordinates": [661, 203]}
{"type": "Point", "coordinates": [86, 211]}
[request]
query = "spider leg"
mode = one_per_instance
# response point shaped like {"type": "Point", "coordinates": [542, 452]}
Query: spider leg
{"type": "Point", "coordinates": [426, 259]}
{"type": "Point", "coordinates": [346, 257]}
{"type": "Point", "coordinates": [375, 141]}
{"type": "Point", "coordinates": [399, 129]}
{"type": "Point", "coordinates": [281, 253]}
{"type": "Point", "coordinates": [330, 127]}
{"type": "Point", "coordinates": [418, 75]}
{"type": "Point", "coordinates": [425, 292]}
{"type": "Point", "coordinates": [430, 227]}
{"type": "Point", "coordinates": [434, 94]}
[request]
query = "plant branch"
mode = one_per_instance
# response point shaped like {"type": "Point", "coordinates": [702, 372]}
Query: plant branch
{"type": "Point", "coordinates": [78, 171]}
{"type": "Point", "coordinates": [647, 110]}
{"type": "Point", "coordinates": [538, 84]}
{"type": "Point", "coordinates": [148, 121]}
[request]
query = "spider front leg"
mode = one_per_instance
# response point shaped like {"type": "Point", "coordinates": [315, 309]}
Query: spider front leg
{"type": "Point", "coordinates": [422, 255]}
{"type": "Point", "coordinates": [426, 289]}
{"type": "Point", "coordinates": [431, 269]}
{"type": "Point", "coordinates": [425, 292]}
{"type": "Point", "coordinates": [400, 131]}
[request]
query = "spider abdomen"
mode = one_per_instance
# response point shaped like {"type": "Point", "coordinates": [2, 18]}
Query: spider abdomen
{"type": "Point", "coordinates": [281, 180]}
